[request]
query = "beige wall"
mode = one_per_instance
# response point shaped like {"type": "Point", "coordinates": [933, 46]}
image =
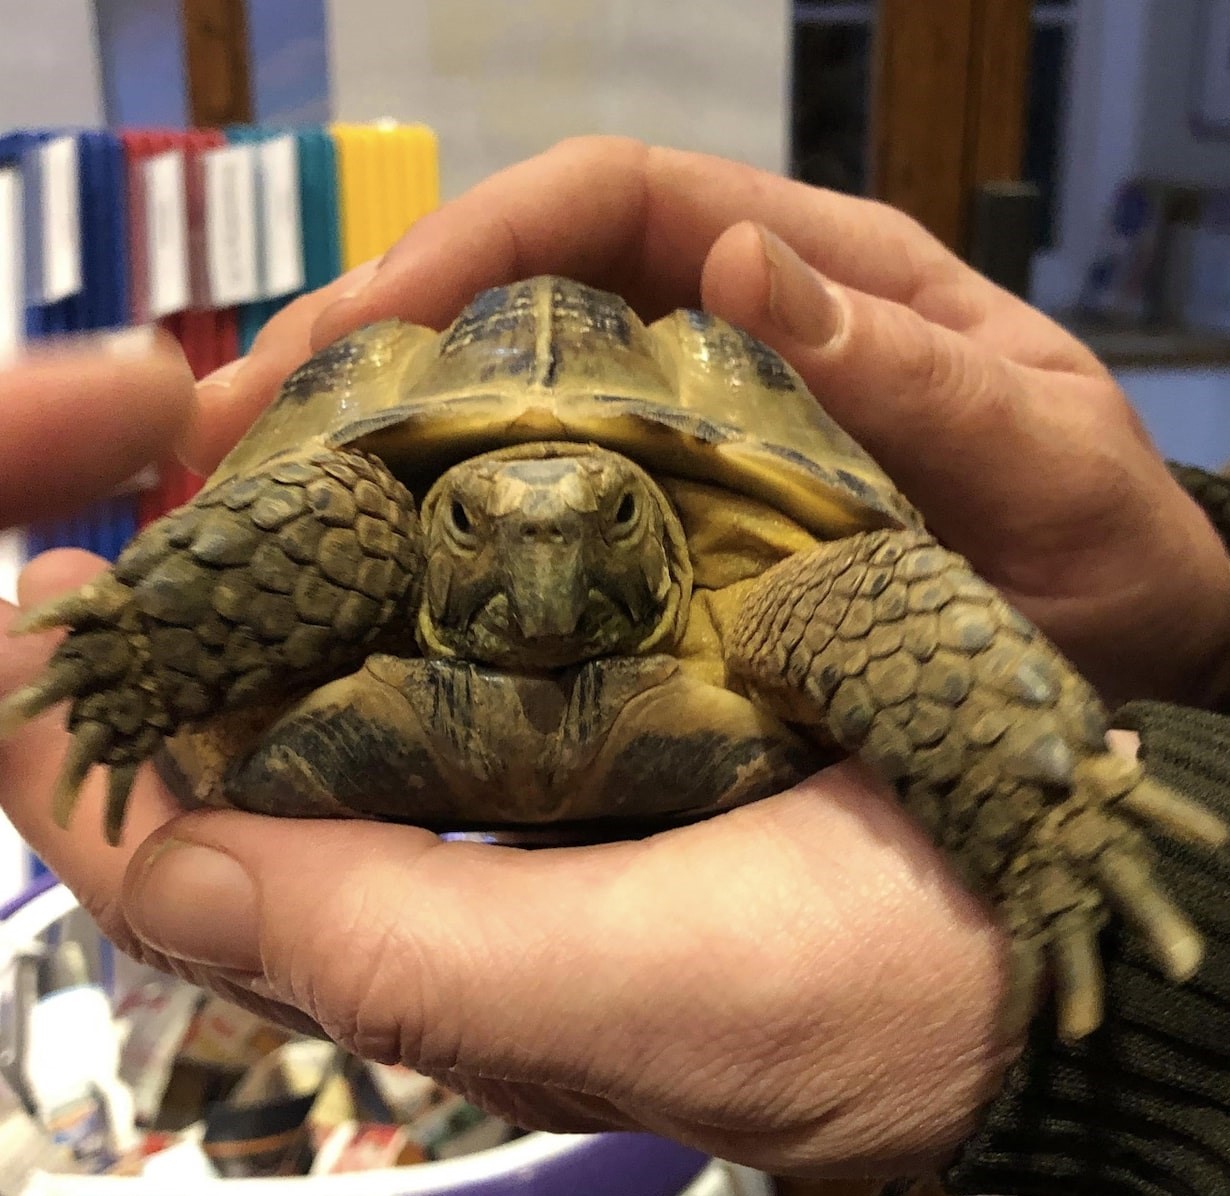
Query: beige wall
{"type": "Point", "coordinates": [500, 80]}
{"type": "Point", "coordinates": [48, 67]}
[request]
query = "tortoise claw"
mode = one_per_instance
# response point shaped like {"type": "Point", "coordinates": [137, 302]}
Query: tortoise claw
{"type": "Point", "coordinates": [119, 789]}
{"type": "Point", "coordinates": [87, 747]}
{"type": "Point", "coordinates": [1174, 814]}
{"type": "Point", "coordinates": [1020, 1000]}
{"type": "Point", "coordinates": [1175, 943]}
{"type": "Point", "coordinates": [31, 700]}
{"type": "Point", "coordinates": [95, 603]}
{"type": "Point", "coordinates": [1078, 979]}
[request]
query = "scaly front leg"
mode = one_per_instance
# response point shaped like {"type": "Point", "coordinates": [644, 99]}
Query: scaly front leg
{"type": "Point", "coordinates": [261, 585]}
{"type": "Point", "coordinates": [893, 648]}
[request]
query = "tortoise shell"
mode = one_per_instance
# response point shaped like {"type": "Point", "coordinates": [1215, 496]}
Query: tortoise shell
{"type": "Point", "coordinates": [552, 359]}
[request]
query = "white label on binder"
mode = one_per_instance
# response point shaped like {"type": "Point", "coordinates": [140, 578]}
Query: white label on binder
{"type": "Point", "coordinates": [281, 220]}
{"type": "Point", "coordinates": [230, 225]}
{"type": "Point", "coordinates": [12, 254]}
{"type": "Point", "coordinates": [60, 220]}
{"type": "Point", "coordinates": [166, 234]}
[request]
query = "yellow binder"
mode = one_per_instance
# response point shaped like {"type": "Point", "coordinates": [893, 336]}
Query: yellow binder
{"type": "Point", "coordinates": [388, 177]}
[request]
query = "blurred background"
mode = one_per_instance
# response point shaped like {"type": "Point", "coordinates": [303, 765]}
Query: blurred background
{"type": "Point", "coordinates": [1078, 151]}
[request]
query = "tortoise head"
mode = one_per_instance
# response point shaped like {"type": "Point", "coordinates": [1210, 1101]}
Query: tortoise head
{"type": "Point", "coordinates": [548, 554]}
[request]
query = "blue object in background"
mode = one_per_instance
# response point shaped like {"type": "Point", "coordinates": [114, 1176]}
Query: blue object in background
{"type": "Point", "coordinates": [144, 80]}
{"type": "Point", "coordinates": [319, 219]}
{"type": "Point", "coordinates": [102, 303]}
{"type": "Point", "coordinates": [288, 44]}
{"type": "Point", "coordinates": [318, 201]}
{"type": "Point", "coordinates": [1186, 411]}
{"type": "Point", "coordinates": [20, 148]}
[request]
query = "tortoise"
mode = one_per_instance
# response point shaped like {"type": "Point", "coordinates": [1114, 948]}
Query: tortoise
{"type": "Point", "coordinates": [554, 567]}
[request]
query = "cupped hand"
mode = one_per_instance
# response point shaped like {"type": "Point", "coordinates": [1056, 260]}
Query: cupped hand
{"type": "Point", "coordinates": [1018, 446]}
{"type": "Point", "coordinates": [800, 985]}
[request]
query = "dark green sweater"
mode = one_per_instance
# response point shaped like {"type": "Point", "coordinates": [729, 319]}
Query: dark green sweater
{"type": "Point", "coordinates": [1143, 1105]}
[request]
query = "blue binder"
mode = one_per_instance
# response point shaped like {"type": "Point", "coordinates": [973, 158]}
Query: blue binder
{"type": "Point", "coordinates": [102, 302]}
{"type": "Point", "coordinates": [18, 148]}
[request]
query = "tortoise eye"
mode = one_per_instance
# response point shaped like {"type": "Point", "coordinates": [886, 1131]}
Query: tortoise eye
{"type": "Point", "coordinates": [626, 511]}
{"type": "Point", "coordinates": [460, 520]}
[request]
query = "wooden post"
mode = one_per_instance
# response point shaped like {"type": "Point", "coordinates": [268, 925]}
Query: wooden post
{"type": "Point", "coordinates": [949, 92]}
{"type": "Point", "coordinates": [217, 62]}
{"type": "Point", "coordinates": [996, 119]}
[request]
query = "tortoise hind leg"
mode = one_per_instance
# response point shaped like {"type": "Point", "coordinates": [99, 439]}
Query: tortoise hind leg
{"type": "Point", "coordinates": [890, 646]}
{"type": "Point", "coordinates": [262, 584]}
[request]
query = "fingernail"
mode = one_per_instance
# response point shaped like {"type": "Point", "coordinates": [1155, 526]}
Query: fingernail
{"type": "Point", "coordinates": [198, 904]}
{"type": "Point", "coordinates": [260, 987]}
{"type": "Point", "coordinates": [354, 282]}
{"type": "Point", "coordinates": [225, 375]}
{"type": "Point", "coordinates": [801, 303]}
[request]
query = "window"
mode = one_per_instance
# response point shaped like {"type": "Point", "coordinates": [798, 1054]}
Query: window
{"type": "Point", "coordinates": [830, 111]}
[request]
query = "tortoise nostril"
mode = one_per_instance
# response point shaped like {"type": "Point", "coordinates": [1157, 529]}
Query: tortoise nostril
{"type": "Point", "coordinates": [541, 531]}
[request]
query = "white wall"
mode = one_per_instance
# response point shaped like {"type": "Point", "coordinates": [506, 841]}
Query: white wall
{"type": "Point", "coordinates": [1187, 412]}
{"type": "Point", "coordinates": [1169, 148]}
{"type": "Point", "coordinates": [48, 67]}
{"type": "Point", "coordinates": [1102, 136]}
{"type": "Point", "coordinates": [500, 82]}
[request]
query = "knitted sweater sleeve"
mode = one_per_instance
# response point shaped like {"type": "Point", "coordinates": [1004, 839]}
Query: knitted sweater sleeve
{"type": "Point", "coordinates": [1142, 1106]}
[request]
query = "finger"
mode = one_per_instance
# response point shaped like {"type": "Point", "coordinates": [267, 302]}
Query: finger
{"type": "Point", "coordinates": [960, 428]}
{"type": "Point", "coordinates": [601, 958]}
{"type": "Point", "coordinates": [30, 760]}
{"type": "Point", "coordinates": [232, 397]}
{"type": "Point", "coordinates": [615, 213]}
{"type": "Point", "coordinates": [77, 421]}
{"type": "Point", "coordinates": [1123, 743]}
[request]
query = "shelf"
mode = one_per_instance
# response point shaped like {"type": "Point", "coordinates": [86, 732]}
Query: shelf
{"type": "Point", "coordinates": [1123, 345]}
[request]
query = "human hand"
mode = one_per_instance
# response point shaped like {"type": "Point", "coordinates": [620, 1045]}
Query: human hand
{"type": "Point", "coordinates": [800, 985]}
{"type": "Point", "coordinates": [1017, 445]}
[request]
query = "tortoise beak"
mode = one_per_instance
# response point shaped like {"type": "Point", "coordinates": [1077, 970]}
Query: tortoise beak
{"type": "Point", "coordinates": [546, 586]}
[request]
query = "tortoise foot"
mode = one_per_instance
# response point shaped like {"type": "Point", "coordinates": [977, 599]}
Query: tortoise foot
{"type": "Point", "coordinates": [262, 584]}
{"type": "Point", "coordinates": [890, 646]}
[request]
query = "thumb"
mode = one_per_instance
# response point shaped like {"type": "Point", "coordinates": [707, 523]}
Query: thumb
{"type": "Point", "coordinates": [444, 955]}
{"type": "Point", "coordinates": [689, 979]}
{"type": "Point", "coordinates": [948, 420]}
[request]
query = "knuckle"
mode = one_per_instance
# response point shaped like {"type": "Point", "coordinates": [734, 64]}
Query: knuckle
{"type": "Point", "coordinates": [927, 364]}
{"type": "Point", "coordinates": [599, 147]}
{"type": "Point", "coordinates": [379, 1004]}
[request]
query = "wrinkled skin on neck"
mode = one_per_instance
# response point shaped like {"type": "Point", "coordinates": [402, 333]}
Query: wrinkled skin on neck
{"type": "Point", "coordinates": [546, 556]}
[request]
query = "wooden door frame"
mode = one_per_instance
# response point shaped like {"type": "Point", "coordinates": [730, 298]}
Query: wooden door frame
{"type": "Point", "coordinates": [217, 62]}
{"type": "Point", "coordinates": [950, 88]}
